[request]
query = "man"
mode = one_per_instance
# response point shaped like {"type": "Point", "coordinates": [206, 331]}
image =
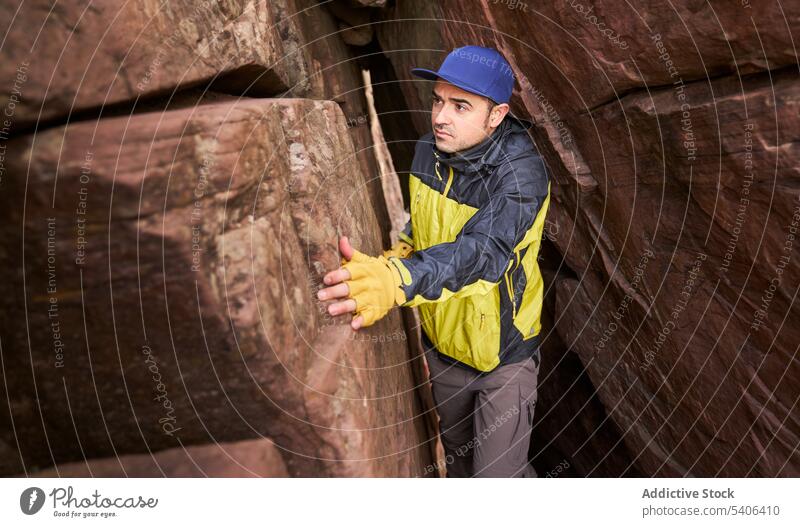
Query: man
{"type": "Point", "coordinates": [468, 258]}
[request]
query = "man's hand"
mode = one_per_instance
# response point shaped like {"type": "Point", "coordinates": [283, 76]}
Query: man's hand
{"type": "Point", "coordinates": [338, 289]}
{"type": "Point", "coordinates": [368, 286]}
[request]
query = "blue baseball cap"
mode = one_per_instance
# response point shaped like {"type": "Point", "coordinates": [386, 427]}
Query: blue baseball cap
{"type": "Point", "coordinates": [479, 70]}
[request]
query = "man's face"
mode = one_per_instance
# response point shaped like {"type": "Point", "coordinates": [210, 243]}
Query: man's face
{"type": "Point", "coordinates": [461, 119]}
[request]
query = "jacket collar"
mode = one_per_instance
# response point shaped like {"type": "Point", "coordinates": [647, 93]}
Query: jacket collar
{"type": "Point", "coordinates": [491, 151]}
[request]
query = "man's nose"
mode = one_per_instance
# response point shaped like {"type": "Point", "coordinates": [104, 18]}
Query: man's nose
{"type": "Point", "coordinates": [442, 118]}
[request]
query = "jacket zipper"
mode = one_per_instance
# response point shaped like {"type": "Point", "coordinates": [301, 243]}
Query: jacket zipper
{"type": "Point", "coordinates": [449, 179]}
{"type": "Point", "coordinates": [510, 285]}
{"type": "Point", "coordinates": [449, 182]}
{"type": "Point", "coordinates": [445, 191]}
{"type": "Point", "coordinates": [513, 300]}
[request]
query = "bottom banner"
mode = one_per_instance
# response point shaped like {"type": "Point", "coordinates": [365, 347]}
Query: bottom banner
{"type": "Point", "coordinates": [399, 502]}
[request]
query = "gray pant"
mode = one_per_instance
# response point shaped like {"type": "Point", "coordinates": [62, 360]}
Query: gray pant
{"type": "Point", "coordinates": [485, 421]}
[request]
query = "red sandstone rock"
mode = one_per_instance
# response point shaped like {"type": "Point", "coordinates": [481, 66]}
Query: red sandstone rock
{"type": "Point", "coordinates": [243, 459]}
{"type": "Point", "coordinates": [73, 62]}
{"type": "Point", "coordinates": [187, 248]}
{"type": "Point", "coordinates": [91, 56]}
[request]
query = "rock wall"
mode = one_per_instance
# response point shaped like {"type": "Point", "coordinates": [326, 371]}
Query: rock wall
{"type": "Point", "coordinates": [242, 459]}
{"type": "Point", "coordinates": [671, 135]}
{"type": "Point", "coordinates": [175, 178]}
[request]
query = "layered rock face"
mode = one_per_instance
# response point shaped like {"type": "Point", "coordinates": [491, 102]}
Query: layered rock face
{"type": "Point", "coordinates": [242, 459]}
{"type": "Point", "coordinates": [163, 252]}
{"type": "Point", "coordinates": [670, 132]}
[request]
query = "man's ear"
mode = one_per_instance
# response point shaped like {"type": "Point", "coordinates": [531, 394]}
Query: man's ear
{"type": "Point", "coordinates": [497, 114]}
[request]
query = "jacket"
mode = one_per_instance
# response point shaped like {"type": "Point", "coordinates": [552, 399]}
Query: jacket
{"type": "Point", "coordinates": [477, 218]}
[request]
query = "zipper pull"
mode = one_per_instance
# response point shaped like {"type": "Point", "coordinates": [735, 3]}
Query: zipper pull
{"type": "Point", "coordinates": [482, 317]}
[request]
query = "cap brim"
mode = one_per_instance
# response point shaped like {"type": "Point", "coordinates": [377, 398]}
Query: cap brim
{"type": "Point", "coordinates": [432, 76]}
{"type": "Point", "coordinates": [425, 74]}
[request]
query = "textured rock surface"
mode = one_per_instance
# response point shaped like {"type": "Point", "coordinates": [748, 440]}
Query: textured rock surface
{"type": "Point", "coordinates": [71, 61]}
{"type": "Point", "coordinates": [94, 55]}
{"type": "Point", "coordinates": [670, 131]}
{"type": "Point", "coordinates": [206, 231]}
{"type": "Point", "coordinates": [573, 433]}
{"type": "Point", "coordinates": [243, 459]}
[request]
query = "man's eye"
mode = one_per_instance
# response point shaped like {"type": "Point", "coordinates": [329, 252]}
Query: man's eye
{"type": "Point", "coordinates": [461, 107]}
{"type": "Point", "coordinates": [436, 101]}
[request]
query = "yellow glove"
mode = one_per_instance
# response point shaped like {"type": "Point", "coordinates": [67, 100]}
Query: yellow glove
{"type": "Point", "coordinates": [375, 286]}
{"type": "Point", "coordinates": [401, 250]}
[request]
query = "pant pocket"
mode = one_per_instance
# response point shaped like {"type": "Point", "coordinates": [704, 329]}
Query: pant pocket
{"type": "Point", "coordinates": [528, 397]}
{"type": "Point", "coordinates": [530, 414]}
